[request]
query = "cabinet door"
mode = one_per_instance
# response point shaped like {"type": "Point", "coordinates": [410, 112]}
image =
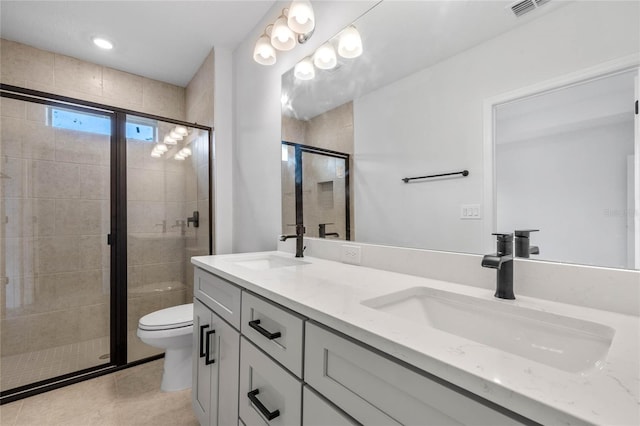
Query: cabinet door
{"type": "Point", "coordinates": [274, 390]}
{"type": "Point", "coordinates": [216, 366]}
{"type": "Point", "coordinates": [378, 391]}
{"type": "Point", "coordinates": [318, 412]}
{"type": "Point", "coordinates": [201, 389]}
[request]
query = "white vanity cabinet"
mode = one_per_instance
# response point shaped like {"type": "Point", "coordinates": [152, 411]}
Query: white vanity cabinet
{"type": "Point", "coordinates": [375, 390]}
{"type": "Point", "coordinates": [216, 352]}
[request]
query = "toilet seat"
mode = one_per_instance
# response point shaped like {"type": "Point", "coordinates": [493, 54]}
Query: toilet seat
{"type": "Point", "coordinates": [174, 317]}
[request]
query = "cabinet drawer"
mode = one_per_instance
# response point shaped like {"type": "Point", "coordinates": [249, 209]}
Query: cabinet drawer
{"type": "Point", "coordinates": [219, 295]}
{"type": "Point", "coordinates": [274, 390]}
{"type": "Point", "coordinates": [318, 412]}
{"type": "Point", "coordinates": [377, 391]}
{"type": "Point", "coordinates": [261, 323]}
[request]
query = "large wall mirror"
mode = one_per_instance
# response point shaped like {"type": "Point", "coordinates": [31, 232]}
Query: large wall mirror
{"type": "Point", "coordinates": [537, 103]}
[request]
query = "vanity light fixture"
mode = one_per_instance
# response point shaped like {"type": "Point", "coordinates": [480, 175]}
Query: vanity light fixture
{"type": "Point", "coordinates": [181, 130]}
{"type": "Point", "coordinates": [325, 57]}
{"type": "Point", "coordinates": [169, 140]}
{"type": "Point", "coordinates": [185, 152]}
{"type": "Point", "coordinates": [156, 154]}
{"type": "Point", "coordinates": [282, 37]}
{"type": "Point", "coordinates": [304, 70]}
{"type": "Point", "coordinates": [301, 18]}
{"type": "Point", "coordinates": [350, 43]}
{"type": "Point", "coordinates": [178, 157]}
{"type": "Point", "coordinates": [102, 43]}
{"type": "Point", "coordinates": [295, 25]}
{"type": "Point", "coordinates": [162, 148]}
{"type": "Point", "coordinates": [175, 135]}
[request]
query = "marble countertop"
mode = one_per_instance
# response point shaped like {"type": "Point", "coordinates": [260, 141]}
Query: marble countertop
{"type": "Point", "coordinates": [331, 293]}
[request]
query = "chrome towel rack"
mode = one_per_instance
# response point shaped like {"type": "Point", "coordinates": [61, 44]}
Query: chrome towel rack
{"type": "Point", "coordinates": [463, 173]}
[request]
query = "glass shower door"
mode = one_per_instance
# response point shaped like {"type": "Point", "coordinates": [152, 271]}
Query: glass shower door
{"type": "Point", "coordinates": [167, 218]}
{"type": "Point", "coordinates": [55, 262]}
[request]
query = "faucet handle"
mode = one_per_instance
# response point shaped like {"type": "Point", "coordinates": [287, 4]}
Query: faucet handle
{"type": "Point", "coordinates": [502, 237]}
{"type": "Point", "coordinates": [524, 232]}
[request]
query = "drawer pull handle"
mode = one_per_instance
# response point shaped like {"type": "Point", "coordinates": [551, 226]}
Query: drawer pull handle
{"type": "Point", "coordinates": [207, 343]}
{"type": "Point", "coordinates": [202, 351]}
{"type": "Point", "coordinates": [255, 325]}
{"type": "Point", "coordinates": [270, 415]}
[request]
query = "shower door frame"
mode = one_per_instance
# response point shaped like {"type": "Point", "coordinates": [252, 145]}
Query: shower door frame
{"type": "Point", "coordinates": [116, 239]}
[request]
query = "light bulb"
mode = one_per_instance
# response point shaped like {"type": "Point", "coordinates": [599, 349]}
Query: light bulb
{"type": "Point", "coordinates": [304, 70]}
{"type": "Point", "coordinates": [185, 151]}
{"type": "Point", "coordinates": [282, 38]}
{"type": "Point", "coordinates": [325, 57]}
{"type": "Point", "coordinates": [102, 43]}
{"type": "Point", "coordinates": [181, 130]}
{"type": "Point", "coordinates": [175, 135]}
{"type": "Point", "coordinates": [178, 157]}
{"type": "Point", "coordinates": [161, 147]}
{"type": "Point", "coordinates": [301, 17]}
{"type": "Point", "coordinates": [169, 140]}
{"type": "Point", "coordinates": [264, 53]}
{"type": "Point", "coordinates": [350, 44]}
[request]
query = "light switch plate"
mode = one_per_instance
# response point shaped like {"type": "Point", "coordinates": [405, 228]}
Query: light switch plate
{"type": "Point", "coordinates": [470, 211]}
{"type": "Point", "coordinates": [351, 254]}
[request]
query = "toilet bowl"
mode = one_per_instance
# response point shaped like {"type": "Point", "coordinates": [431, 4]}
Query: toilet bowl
{"type": "Point", "coordinates": [171, 329]}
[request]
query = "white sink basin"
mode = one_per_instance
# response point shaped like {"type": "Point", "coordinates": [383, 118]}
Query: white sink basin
{"type": "Point", "coordinates": [261, 263]}
{"type": "Point", "coordinates": [565, 343]}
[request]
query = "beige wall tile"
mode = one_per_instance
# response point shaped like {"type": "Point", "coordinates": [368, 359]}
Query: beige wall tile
{"type": "Point", "coordinates": [94, 182]}
{"type": "Point", "coordinates": [13, 108]}
{"type": "Point", "coordinates": [76, 75]}
{"type": "Point", "coordinates": [79, 217]}
{"type": "Point", "coordinates": [36, 112]}
{"type": "Point", "coordinates": [55, 180]}
{"type": "Point", "coordinates": [11, 136]}
{"type": "Point", "coordinates": [19, 217]}
{"type": "Point", "coordinates": [94, 253]}
{"type": "Point", "coordinates": [96, 321]}
{"type": "Point", "coordinates": [22, 63]}
{"type": "Point", "coordinates": [163, 99]}
{"type": "Point", "coordinates": [38, 141]}
{"type": "Point", "coordinates": [12, 336]}
{"type": "Point", "coordinates": [174, 186]}
{"type": "Point", "coordinates": [73, 146]}
{"type": "Point", "coordinates": [53, 329]}
{"type": "Point", "coordinates": [44, 217]}
{"type": "Point", "coordinates": [19, 182]}
{"type": "Point", "coordinates": [56, 254]}
{"type": "Point", "coordinates": [139, 154]}
{"type": "Point", "coordinates": [145, 185]}
{"type": "Point", "coordinates": [122, 87]}
{"type": "Point", "coordinates": [163, 272]}
{"type": "Point", "coordinates": [20, 256]}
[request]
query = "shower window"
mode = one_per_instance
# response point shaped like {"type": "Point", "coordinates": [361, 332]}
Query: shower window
{"type": "Point", "coordinates": [138, 128]}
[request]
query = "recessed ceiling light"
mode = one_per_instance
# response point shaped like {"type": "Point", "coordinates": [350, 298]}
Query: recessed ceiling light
{"type": "Point", "coordinates": [102, 43]}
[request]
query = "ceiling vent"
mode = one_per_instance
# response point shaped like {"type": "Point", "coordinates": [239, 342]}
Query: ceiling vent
{"type": "Point", "coordinates": [519, 8]}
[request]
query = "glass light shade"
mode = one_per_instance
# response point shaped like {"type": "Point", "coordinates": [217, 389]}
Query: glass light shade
{"type": "Point", "coordinates": [161, 148]}
{"type": "Point", "coordinates": [264, 53]}
{"type": "Point", "coordinates": [156, 154]}
{"type": "Point", "coordinates": [175, 135]}
{"type": "Point", "coordinates": [301, 18]}
{"type": "Point", "coordinates": [282, 38]}
{"type": "Point", "coordinates": [304, 70]}
{"type": "Point", "coordinates": [350, 44]}
{"type": "Point", "coordinates": [169, 140]}
{"type": "Point", "coordinates": [178, 157]}
{"type": "Point", "coordinates": [325, 57]}
{"type": "Point", "coordinates": [185, 152]}
{"type": "Point", "coordinates": [181, 130]}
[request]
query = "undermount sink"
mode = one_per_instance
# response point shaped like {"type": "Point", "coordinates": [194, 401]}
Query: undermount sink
{"type": "Point", "coordinates": [566, 343]}
{"type": "Point", "coordinates": [261, 263]}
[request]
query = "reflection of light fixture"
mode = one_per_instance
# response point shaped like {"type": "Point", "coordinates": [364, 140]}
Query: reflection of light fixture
{"type": "Point", "coordinates": [178, 157]}
{"type": "Point", "coordinates": [282, 37]}
{"type": "Point", "coordinates": [350, 43]}
{"type": "Point", "coordinates": [161, 147]}
{"type": "Point", "coordinates": [285, 153]}
{"type": "Point", "coordinates": [325, 57]}
{"type": "Point", "coordinates": [185, 152]}
{"type": "Point", "coordinates": [304, 70]}
{"type": "Point", "coordinates": [181, 130]}
{"type": "Point", "coordinates": [301, 18]}
{"type": "Point", "coordinates": [175, 135]}
{"type": "Point", "coordinates": [295, 24]}
{"type": "Point", "coordinates": [156, 154]}
{"type": "Point", "coordinates": [169, 140]}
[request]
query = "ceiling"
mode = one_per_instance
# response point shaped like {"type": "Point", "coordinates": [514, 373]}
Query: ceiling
{"type": "Point", "coordinates": [162, 40]}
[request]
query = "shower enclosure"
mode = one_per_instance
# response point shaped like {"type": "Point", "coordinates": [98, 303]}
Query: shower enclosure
{"type": "Point", "coordinates": [95, 233]}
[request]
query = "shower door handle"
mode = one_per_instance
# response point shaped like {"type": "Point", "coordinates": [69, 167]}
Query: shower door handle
{"type": "Point", "coordinates": [207, 344]}
{"type": "Point", "coordinates": [202, 347]}
{"type": "Point", "coordinates": [195, 219]}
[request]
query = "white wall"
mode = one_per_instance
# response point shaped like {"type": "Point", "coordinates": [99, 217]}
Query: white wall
{"type": "Point", "coordinates": [409, 136]}
{"type": "Point", "coordinates": [257, 116]}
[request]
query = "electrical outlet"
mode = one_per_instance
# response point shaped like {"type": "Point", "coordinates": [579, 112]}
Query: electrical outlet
{"type": "Point", "coordinates": [470, 211]}
{"type": "Point", "coordinates": [351, 254]}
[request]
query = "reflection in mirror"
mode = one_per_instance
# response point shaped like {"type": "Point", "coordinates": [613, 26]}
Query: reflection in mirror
{"type": "Point", "coordinates": [419, 98]}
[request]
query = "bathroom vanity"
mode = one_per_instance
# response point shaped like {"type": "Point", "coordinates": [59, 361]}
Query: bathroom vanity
{"type": "Point", "coordinates": [318, 342]}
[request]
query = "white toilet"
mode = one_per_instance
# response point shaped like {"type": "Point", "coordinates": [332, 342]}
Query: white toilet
{"type": "Point", "coordinates": [171, 329]}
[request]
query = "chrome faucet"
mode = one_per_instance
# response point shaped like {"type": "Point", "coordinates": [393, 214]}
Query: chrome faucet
{"type": "Point", "coordinates": [299, 236]}
{"type": "Point", "coordinates": [523, 245]}
{"type": "Point", "coordinates": [502, 260]}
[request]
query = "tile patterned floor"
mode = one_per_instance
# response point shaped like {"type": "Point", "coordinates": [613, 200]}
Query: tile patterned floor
{"type": "Point", "coordinates": [128, 397]}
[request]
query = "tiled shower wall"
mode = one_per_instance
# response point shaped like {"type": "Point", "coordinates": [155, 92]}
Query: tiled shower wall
{"type": "Point", "coordinates": [62, 260]}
